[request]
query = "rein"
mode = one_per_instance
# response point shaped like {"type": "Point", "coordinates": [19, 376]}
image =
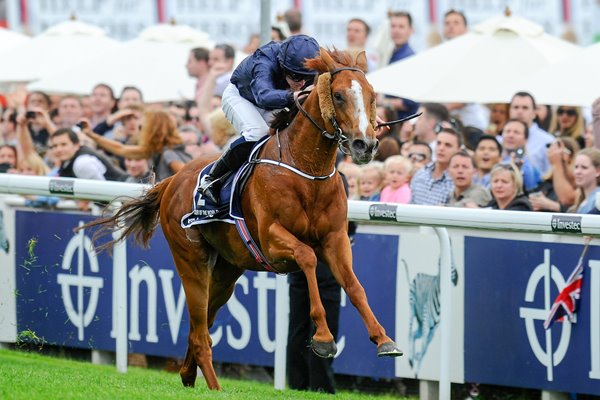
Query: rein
{"type": "Point", "coordinates": [337, 134]}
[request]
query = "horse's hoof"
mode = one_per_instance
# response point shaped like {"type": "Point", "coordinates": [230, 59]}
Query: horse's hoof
{"type": "Point", "coordinates": [324, 349]}
{"type": "Point", "coordinates": [388, 349]}
{"type": "Point", "coordinates": [188, 383]}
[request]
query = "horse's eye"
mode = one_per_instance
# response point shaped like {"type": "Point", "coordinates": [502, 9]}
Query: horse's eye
{"type": "Point", "coordinates": [338, 96]}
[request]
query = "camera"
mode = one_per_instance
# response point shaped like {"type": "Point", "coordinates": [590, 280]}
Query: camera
{"type": "Point", "coordinates": [4, 167]}
{"type": "Point", "coordinates": [81, 125]}
{"type": "Point", "coordinates": [30, 114]}
{"type": "Point", "coordinates": [519, 154]}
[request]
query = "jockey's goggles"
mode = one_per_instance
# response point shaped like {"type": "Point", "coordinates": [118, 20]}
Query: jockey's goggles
{"type": "Point", "coordinates": [298, 77]}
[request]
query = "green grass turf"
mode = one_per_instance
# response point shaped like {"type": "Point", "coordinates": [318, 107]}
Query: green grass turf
{"type": "Point", "coordinates": [26, 375]}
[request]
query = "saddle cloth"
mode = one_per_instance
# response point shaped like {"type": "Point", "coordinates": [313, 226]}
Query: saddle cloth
{"type": "Point", "coordinates": [229, 208]}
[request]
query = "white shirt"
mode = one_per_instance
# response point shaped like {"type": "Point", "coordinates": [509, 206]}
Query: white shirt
{"type": "Point", "coordinates": [87, 166]}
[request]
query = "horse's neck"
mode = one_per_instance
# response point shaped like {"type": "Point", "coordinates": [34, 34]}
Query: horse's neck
{"type": "Point", "coordinates": [308, 149]}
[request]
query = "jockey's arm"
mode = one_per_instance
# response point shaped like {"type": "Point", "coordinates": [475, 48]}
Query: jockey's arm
{"type": "Point", "coordinates": [266, 95]}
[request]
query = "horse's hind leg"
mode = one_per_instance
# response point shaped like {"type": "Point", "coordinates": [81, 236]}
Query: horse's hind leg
{"type": "Point", "coordinates": [338, 254]}
{"type": "Point", "coordinates": [282, 244]}
{"type": "Point", "coordinates": [193, 262]}
{"type": "Point", "coordinates": [222, 283]}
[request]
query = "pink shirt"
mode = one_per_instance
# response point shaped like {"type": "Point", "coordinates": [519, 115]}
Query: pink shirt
{"type": "Point", "coordinates": [401, 195]}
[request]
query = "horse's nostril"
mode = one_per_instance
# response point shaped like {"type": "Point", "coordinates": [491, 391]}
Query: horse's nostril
{"type": "Point", "coordinates": [359, 145]}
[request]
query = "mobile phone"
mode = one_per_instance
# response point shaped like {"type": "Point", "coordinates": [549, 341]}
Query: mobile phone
{"type": "Point", "coordinates": [30, 114]}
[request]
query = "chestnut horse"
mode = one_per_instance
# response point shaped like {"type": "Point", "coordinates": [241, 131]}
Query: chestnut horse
{"type": "Point", "coordinates": [294, 219]}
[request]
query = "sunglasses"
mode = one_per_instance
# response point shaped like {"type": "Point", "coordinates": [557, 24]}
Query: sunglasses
{"type": "Point", "coordinates": [417, 157]}
{"type": "Point", "coordinates": [569, 112]}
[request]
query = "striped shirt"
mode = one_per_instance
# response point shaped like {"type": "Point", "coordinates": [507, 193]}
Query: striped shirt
{"type": "Point", "coordinates": [426, 190]}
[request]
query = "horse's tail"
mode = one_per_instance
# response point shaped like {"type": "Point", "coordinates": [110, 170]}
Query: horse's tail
{"type": "Point", "coordinates": [137, 218]}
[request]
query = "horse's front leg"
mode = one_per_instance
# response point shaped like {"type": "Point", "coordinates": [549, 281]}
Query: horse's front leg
{"type": "Point", "coordinates": [338, 255]}
{"type": "Point", "coordinates": [283, 245]}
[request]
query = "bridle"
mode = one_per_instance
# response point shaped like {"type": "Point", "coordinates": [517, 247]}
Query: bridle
{"type": "Point", "coordinates": [337, 135]}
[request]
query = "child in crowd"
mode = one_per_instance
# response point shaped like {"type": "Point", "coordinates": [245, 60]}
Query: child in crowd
{"type": "Point", "coordinates": [371, 181]}
{"type": "Point", "coordinates": [397, 175]}
{"type": "Point", "coordinates": [352, 173]}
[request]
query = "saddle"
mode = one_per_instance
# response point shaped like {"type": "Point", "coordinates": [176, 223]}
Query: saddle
{"type": "Point", "coordinates": [229, 207]}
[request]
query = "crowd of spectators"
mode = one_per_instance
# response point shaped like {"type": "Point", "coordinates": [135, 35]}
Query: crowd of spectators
{"type": "Point", "coordinates": [444, 157]}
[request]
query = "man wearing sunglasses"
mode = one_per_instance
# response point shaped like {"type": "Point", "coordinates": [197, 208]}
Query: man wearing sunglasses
{"type": "Point", "coordinates": [263, 83]}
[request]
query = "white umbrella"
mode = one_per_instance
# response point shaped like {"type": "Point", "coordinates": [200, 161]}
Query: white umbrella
{"type": "Point", "coordinates": [10, 39]}
{"type": "Point", "coordinates": [154, 62]}
{"type": "Point", "coordinates": [482, 66]}
{"type": "Point", "coordinates": [68, 43]}
{"type": "Point", "coordinates": [573, 81]}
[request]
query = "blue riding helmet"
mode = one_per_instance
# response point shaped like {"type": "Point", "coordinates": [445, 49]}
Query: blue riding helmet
{"type": "Point", "coordinates": [293, 53]}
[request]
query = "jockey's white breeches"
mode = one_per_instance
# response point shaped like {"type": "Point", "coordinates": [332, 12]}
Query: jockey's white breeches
{"type": "Point", "coordinates": [247, 119]}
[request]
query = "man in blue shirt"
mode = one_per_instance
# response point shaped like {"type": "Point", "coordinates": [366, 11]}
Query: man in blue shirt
{"type": "Point", "coordinates": [522, 107]}
{"type": "Point", "coordinates": [401, 30]}
{"type": "Point", "coordinates": [515, 138]}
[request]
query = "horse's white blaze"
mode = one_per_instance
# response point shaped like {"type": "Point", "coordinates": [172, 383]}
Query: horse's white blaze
{"type": "Point", "coordinates": [361, 114]}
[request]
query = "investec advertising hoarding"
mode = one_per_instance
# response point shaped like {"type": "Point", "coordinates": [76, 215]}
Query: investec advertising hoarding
{"type": "Point", "coordinates": [511, 284]}
{"type": "Point", "coordinates": [65, 295]}
{"type": "Point", "coordinates": [501, 291]}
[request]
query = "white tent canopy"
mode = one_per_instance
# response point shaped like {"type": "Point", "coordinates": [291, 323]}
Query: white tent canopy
{"type": "Point", "coordinates": [68, 43]}
{"type": "Point", "coordinates": [10, 39]}
{"type": "Point", "coordinates": [573, 81]}
{"type": "Point", "coordinates": [485, 65]}
{"type": "Point", "coordinates": [154, 62]}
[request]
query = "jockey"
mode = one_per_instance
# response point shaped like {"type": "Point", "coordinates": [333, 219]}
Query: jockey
{"type": "Point", "coordinates": [265, 82]}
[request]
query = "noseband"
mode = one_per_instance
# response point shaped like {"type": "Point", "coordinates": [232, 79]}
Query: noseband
{"type": "Point", "coordinates": [337, 134]}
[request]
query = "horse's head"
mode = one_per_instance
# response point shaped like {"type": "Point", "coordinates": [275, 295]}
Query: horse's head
{"type": "Point", "coordinates": [347, 101]}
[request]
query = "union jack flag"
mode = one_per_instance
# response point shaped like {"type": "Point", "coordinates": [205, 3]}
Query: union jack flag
{"type": "Point", "coordinates": [565, 304]}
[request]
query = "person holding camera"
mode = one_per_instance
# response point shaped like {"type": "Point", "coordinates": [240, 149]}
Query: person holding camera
{"type": "Point", "coordinates": [515, 134]}
{"type": "Point", "coordinates": [523, 108]}
{"type": "Point", "coordinates": [70, 112]}
{"type": "Point", "coordinates": [8, 158]}
{"type": "Point", "coordinates": [39, 122]}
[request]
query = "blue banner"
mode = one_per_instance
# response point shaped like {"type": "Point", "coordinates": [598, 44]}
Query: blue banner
{"type": "Point", "coordinates": [65, 296]}
{"type": "Point", "coordinates": [510, 287]}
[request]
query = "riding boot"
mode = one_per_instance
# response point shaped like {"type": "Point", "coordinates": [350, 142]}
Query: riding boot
{"type": "Point", "coordinates": [231, 160]}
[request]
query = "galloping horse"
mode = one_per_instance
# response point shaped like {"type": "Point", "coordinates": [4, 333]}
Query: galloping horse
{"type": "Point", "coordinates": [294, 219]}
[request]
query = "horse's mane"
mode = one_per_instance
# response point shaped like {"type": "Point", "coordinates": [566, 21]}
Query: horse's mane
{"type": "Point", "coordinates": [283, 118]}
{"type": "Point", "coordinates": [340, 57]}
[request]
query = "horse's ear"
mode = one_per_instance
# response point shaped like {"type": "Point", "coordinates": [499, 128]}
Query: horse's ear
{"type": "Point", "coordinates": [361, 61]}
{"type": "Point", "coordinates": [327, 60]}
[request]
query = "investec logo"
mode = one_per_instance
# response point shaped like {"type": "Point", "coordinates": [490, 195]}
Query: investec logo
{"type": "Point", "coordinates": [80, 246]}
{"type": "Point", "coordinates": [382, 212]}
{"type": "Point", "coordinates": [561, 223]}
{"type": "Point", "coordinates": [548, 353]}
